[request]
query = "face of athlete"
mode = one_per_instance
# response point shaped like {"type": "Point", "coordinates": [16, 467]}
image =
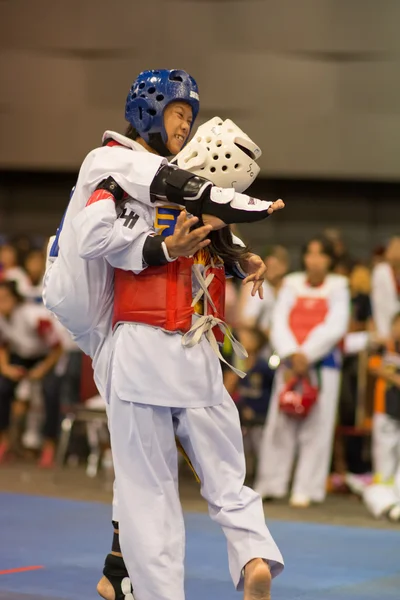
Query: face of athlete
{"type": "Point", "coordinates": [7, 302]}
{"type": "Point", "coordinates": [178, 118]}
{"type": "Point", "coordinates": [316, 262]}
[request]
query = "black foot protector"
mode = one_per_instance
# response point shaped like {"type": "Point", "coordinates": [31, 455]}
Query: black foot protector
{"type": "Point", "coordinates": [116, 573]}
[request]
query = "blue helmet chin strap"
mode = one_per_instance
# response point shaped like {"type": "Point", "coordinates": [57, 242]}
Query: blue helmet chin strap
{"type": "Point", "coordinates": [156, 142]}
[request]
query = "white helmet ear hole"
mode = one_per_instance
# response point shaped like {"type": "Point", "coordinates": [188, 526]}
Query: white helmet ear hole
{"type": "Point", "coordinates": [215, 156]}
{"type": "Point", "coordinates": [212, 169]}
{"type": "Point", "coordinates": [198, 139]}
{"type": "Point", "coordinates": [227, 155]}
{"type": "Point", "coordinates": [192, 155]}
{"type": "Point", "coordinates": [224, 168]}
{"type": "Point", "coordinates": [208, 140]}
{"type": "Point", "coordinates": [218, 143]}
{"type": "Point", "coordinates": [237, 166]}
{"type": "Point", "coordinates": [248, 152]}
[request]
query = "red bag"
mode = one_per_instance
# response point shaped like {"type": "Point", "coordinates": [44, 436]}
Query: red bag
{"type": "Point", "coordinates": [298, 397]}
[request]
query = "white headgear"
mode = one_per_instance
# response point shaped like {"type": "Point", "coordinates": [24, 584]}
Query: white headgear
{"type": "Point", "coordinates": [223, 153]}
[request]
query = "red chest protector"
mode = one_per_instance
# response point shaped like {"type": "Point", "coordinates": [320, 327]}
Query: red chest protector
{"type": "Point", "coordinates": [306, 314]}
{"type": "Point", "coordinates": [162, 296]}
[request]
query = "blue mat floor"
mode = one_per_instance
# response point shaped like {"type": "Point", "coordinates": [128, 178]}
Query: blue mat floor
{"type": "Point", "coordinates": [71, 539]}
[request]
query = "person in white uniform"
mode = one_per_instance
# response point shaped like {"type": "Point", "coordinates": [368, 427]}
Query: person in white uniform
{"type": "Point", "coordinates": [205, 153]}
{"type": "Point", "coordinates": [29, 350]}
{"type": "Point", "coordinates": [202, 198]}
{"type": "Point", "coordinates": [385, 300]}
{"type": "Point", "coordinates": [386, 420]}
{"type": "Point", "coordinates": [385, 292]}
{"type": "Point", "coordinates": [310, 318]}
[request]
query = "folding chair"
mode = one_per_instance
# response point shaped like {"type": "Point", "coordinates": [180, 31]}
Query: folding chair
{"type": "Point", "coordinates": [90, 409]}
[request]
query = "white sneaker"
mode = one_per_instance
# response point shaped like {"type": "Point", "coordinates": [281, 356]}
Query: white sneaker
{"type": "Point", "coordinates": [394, 513]}
{"type": "Point", "coordinates": [358, 483]}
{"type": "Point", "coordinates": [299, 501]}
{"type": "Point", "coordinates": [31, 440]}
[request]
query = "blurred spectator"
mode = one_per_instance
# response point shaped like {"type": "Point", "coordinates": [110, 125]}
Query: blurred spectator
{"type": "Point", "coordinates": [378, 255]}
{"type": "Point", "coordinates": [255, 311]}
{"type": "Point", "coordinates": [343, 266]}
{"type": "Point", "coordinates": [34, 266]}
{"type": "Point", "coordinates": [385, 366]}
{"type": "Point", "coordinates": [251, 394]}
{"type": "Point", "coordinates": [22, 243]}
{"type": "Point", "coordinates": [30, 350]}
{"type": "Point", "coordinates": [383, 500]}
{"type": "Point", "coordinates": [386, 288]}
{"type": "Point", "coordinates": [254, 392]}
{"type": "Point", "coordinates": [349, 450]}
{"type": "Point", "coordinates": [360, 290]}
{"type": "Point", "coordinates": [310, 318]}
{"type": "Point", "coordinates": [11, 265]}
{"type": "Point", "coordinates": [340, 252]}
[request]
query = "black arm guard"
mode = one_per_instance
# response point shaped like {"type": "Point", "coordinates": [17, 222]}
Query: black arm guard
{"type": "Point", "coordinates": [112, 186]}
{"type": "Point", "coordinates": [201, 197]}
{"type": "Point", "coordinates": [181, 187]}
{"type": "Point", "coordinates": [153, 253]}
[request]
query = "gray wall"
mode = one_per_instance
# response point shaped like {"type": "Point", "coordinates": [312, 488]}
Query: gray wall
{"type": "Point", "coordinates": [315, 82]}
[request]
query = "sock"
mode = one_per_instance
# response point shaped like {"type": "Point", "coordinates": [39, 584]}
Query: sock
{"type": "Point", "coordinates": [116, 548]}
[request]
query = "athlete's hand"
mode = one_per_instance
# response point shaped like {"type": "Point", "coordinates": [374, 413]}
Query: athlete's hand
{"type": "Point", "coordinates": [184, 242]}
{"type": "Point", "coordinates": [277, 205]}
{"type": "Point", "coordinates": [256, 269]}
{"type": "Point", "coordinates": [218, 223]}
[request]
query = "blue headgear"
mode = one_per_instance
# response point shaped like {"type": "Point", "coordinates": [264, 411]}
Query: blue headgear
{"type": "Point", "coordinates": [150, 95]}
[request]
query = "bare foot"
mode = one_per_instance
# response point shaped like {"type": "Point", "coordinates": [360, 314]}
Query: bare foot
{"type": "Point", "coordinates": [257, 580]}
{"type": "Point", "coordinates": [105, 589]}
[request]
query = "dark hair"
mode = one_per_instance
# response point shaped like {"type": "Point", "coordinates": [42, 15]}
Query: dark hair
{"type": "Point", "coordinates": [19, 252]}
{"type": "Point", "coordinates": [222, 245]}
{"type": "Point", "coordinates": [258, 333]}
{"type": "Point", "coordinates": [12, 287]}
{"type": "Point", "coordinates": [346, 263]}
{"type": "Point", "coordinates": [33, 251]}
{"type": "Point", "coordinates": [326, 246]}
{"type": "Point", "coordinates": [131, 133]}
